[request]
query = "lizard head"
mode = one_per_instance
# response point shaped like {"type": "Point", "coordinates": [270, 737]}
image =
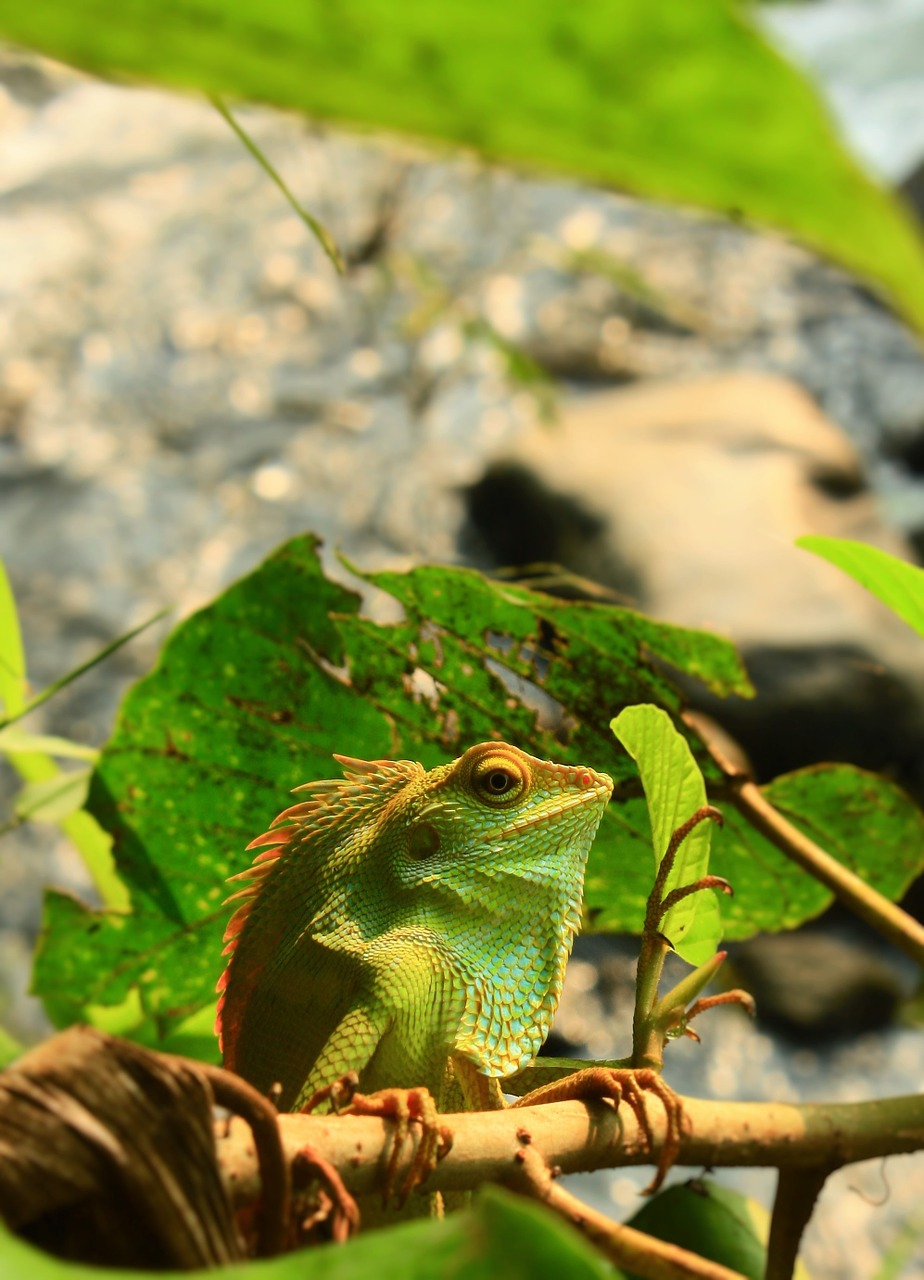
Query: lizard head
{"type": "Point", "coordinates": [497, 811]}
{"type": "Point", "coordinates": [492, 857]}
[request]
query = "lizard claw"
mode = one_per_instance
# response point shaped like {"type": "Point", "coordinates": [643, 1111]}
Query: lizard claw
{"type": "Point", "coordinates": [339, 1094]}
{"type": "Point", "coordinates": [627, 1085]}
{"type": "Point", "coordinates": [406, 1107]}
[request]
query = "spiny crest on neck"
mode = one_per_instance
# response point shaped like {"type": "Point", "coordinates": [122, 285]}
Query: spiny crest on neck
{"type": "Point", "coordinates": [333, 806]}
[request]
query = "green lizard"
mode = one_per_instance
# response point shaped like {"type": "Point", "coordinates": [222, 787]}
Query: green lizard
{"type": "Point", "coordinates": [413, 927]}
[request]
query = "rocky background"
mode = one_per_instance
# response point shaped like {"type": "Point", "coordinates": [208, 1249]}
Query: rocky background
{"type": "Point", "coordinates": [513, 370]}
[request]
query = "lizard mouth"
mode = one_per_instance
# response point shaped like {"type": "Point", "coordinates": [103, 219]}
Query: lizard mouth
{"type": "Point", "coordinates": [593, 794]}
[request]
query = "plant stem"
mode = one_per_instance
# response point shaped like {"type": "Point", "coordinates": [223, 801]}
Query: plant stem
{"type": "Point", "coordinates": [317, 229]}
{"type": "Point", "coordinates": [625, 1246]}
{"type": "Point", "coordinates": [647, 1036]}
{"type": "Point", "coordinates": [796, 1194]}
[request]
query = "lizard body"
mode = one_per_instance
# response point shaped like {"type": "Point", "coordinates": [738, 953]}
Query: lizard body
{"type": "Point", "coordinates": [410, 925]}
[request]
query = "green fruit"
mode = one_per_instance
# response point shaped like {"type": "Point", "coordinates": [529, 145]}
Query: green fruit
{"type": "Point", "coordinates": [713, 1221]}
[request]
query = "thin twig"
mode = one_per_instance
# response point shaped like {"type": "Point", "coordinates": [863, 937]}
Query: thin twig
{"type": "Point", "coordinates": [625, 1246]}
{"type": "Point", "coordinates": [886, 917]}
{"type": "Point", "coordinates": [317, 229]}
{"type": "Point", "coordinates": [865, 901]}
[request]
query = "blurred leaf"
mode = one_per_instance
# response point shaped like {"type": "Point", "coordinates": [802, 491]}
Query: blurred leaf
{"type": "Point", "coordinates": [714, 1221]}
{"type": "Point", "coordinates": [899, 585]}
{"type": "Point", "coordinates": [682, 102]}
{"type": "Point", "coordinates": [35, 763]}
{"type": "Point", "coordinates": [905, 1252]}
{"type": "Point", "coordinates": [53, 799]}
{"type": "Point", "coordinates": [502, 1237]}
{"type": "Point", "coordinates": [13, 739]}
{"type": "Point", "coordinates": [12, 658]}
{"type": "Point", "coordinates": [252, 695]}
{"type": "Point", "coordinates": [674, 790]}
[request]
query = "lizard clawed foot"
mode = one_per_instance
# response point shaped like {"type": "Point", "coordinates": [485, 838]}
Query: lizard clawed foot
{"type": "Point", "coordinates": [406, 1107]}
{"type": "Point", "coordinates": [622, 1085]}
{"type": "Point", "coordinates": [334, 1203]}
{"type": "Point", "coordinates": [403, 1106]}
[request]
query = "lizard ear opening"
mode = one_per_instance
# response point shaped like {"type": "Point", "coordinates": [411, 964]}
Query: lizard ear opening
{"type": "Point", "coordinates": [423, 842]}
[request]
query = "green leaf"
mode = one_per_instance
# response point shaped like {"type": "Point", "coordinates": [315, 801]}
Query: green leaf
{"type": "Point", "coordinates": [501, 1238]}
{"type": "Point", "coordinates": [899, 585]}
{"type": "Point", "coordinates": [713, 1221]}
{"type": "Point", "coordinates": [252, 696]}
{"type": "Point", "coordinates": [708, 1219]}
{"type": "Point", "coordinates": [674, 790]}
{"type": "Point", "coordinates": [12, 658]}
{"type": "Point", "coordinates": [32, 760]}
{"type": "Point", "coordinates": [684, 102]}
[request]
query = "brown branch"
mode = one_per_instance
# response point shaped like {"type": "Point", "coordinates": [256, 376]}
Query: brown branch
{"type": "Point", "coordinates": [578, 1136]}
{"type": "Point", "coordinates": [796, 1193]}
{"type": "Point", "coordinates": [885, 916]}
{"type": "Point", "coordinates": [625, 1246]}
{"type": "Point", "coordinates": [865, 901]}
{"type": "Point", "coordinates": [242, 1099]}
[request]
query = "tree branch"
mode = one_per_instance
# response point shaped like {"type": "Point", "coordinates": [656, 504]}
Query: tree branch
{"type": "Point", "coordinates": [578, 1137]}
{"type": "Point", "coordinates": [877, 910]}
{"type": "Point", "coordinates": [796, 1194]}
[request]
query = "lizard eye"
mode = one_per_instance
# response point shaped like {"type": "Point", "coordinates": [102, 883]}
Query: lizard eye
{"type": "Point", "coordinates": [498, 780]}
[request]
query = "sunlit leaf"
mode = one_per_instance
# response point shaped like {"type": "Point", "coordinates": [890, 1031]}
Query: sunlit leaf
{"type": "Point", "coordinates": [674, 790]}
{"type": "Point", "coordinates": [53, 799]}
{"type": "Point", "coordinates": [899, 585]}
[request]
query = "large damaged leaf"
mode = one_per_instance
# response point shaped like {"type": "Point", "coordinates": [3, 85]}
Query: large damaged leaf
{"type": "Point", "coordinates": [253, 695]}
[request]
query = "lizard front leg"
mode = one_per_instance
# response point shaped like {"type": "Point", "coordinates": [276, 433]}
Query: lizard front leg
{"type": "Point", "coordinates": [354, 1041]}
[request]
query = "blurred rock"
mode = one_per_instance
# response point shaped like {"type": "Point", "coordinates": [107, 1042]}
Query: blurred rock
{"type": "Point", "coordinates": [815, 987]}
{"type": "Point", "coordinates": [687, 496]}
